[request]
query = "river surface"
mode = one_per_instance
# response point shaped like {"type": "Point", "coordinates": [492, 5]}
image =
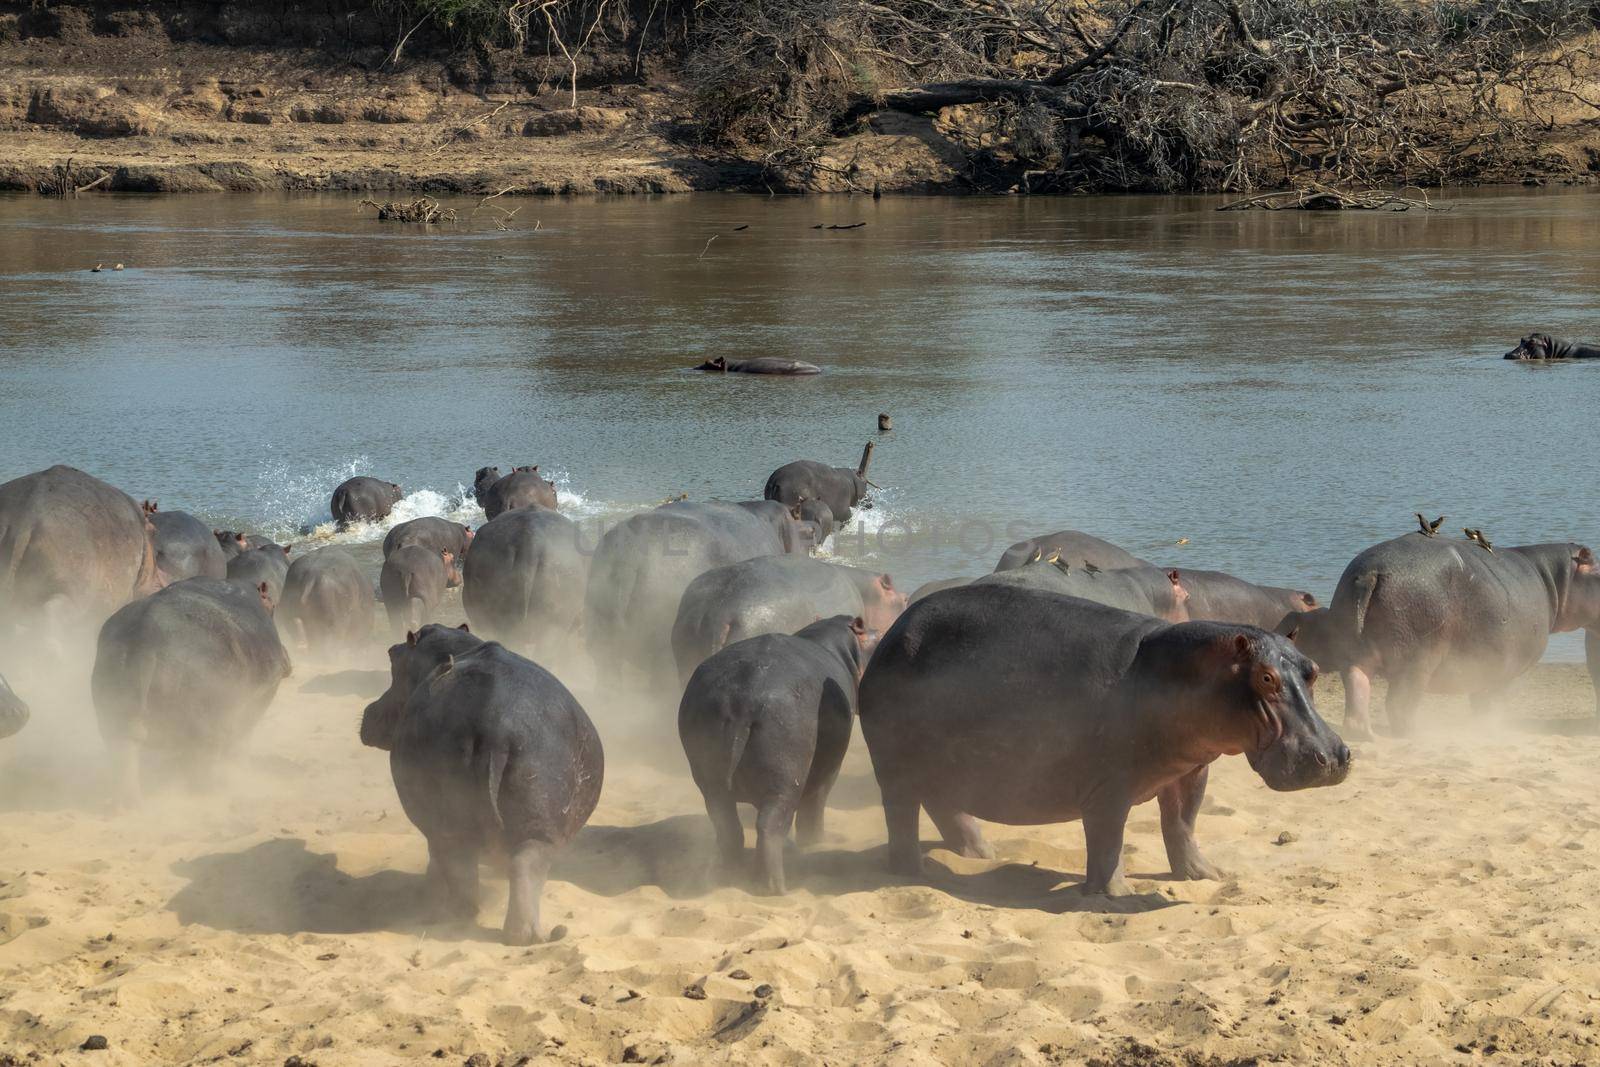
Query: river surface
{"type": "Point", "coordinates": [1279, 390]}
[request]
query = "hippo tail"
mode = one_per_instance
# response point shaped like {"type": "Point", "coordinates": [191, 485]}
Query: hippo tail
{"type": "Point", "coordinates": [1366, 588]}
{"type": "Point", "coordinates": [735, 735]}
{"type": "Point", "coordinates": [498, 757]}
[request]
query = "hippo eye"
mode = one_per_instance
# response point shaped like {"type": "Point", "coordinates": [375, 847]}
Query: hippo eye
{"type": "Point", "coordinates": [1268, 680]}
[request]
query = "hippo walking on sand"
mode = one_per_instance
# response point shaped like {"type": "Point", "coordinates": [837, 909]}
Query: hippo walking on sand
{"type": "Point", "coordinates": [363, 500]}
{"type": "Point", "coordinates": [766, 721]}
{"type": "Point", "coordinates": [185, 547]}
{"type": "Point", "coordinates": [268, 565]}
{"type": "Point", "coordinates": [13, 712]}
{"type": "Point", "coordinates": [185, 674]}
{"type": "Point", "coordinates": [72, 551]}
{"type": "Point", "coordinates": [524, 580]}
{"type": "Point", "coordinates": [1439, 615]}
{"type": "Point", "coordinates": [327, 603]}
{"type": "Point", "coordinates": [487, 749]}
{"type": "Point", "coordinates": [775, 595]}
{"type": "Point", "coordinates": [413, 580]}
{"type": "Point", "coordinates": [1541, 346]}
{"type": "Point", "coordinates": [1022, 706]}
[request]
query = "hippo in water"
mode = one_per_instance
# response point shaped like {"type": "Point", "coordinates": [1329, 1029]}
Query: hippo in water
{"type": "Point", "coordinates": [481, 482]}
{"type": "Point", "coordinates": [1076, 547]}
{"type": "Point", "coordinates": [760, 365]}
{"type": "Point", "coordinates": [1147, 590]}
{"type": "Point", "coordinates": [186, 673]}
{"type": "Point", "coordinates": [523, 582]}
{"type": "Point", "coordinates": [766, 721]}
{"type": "Point", "coordinates": [72, 551]}
{"type": "Point", "coordinates": [327, 603]}
{"type": "Point", "coordinates": [1022, 706]}
{"type": "Point", "coordinates": [267, 565]}
{"type": "Point", "coordinates": [1440, 615]}
{"type": "Point", "coordinates": [524, 487]}
{"type": "Point", "coordinates": [487, 749]}
{"type": "Point", "coordinates": [1541, 346]}
{"type": "Point", "coordinates": [363, 500]}
{"type": "Point", "coordinates": [412, 581]}
{"type": "Point", "coordinates": [642, 566]}
{"type": "Point", "coordinates": [185, 546]}
{"type": "Point", "coordinates": [430, 531]}
{"type": "Point", "coordinates": [775, 595]}
{"type": "Point", "coordinates": [13, 712]}
{"type": "Point", "coordinates": [840, 488]}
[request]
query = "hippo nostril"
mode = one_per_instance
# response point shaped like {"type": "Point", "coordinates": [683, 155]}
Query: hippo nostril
{"type": "Point", "coordinates": [1344, 754]}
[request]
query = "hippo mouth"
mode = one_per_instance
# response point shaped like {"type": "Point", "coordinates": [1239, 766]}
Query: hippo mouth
{"type": "Point", "coordinates": [1268, 729]}
{"type": "Point", "coordinates": [1290, 759]}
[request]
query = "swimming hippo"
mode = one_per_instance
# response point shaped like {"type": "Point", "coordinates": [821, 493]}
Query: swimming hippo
{"type": "Point", "coordinates": [185, 674]}
{"type": "Point", "coordinates": [72, 551]}
{"type": "Point", "coordinates": [642, 566]}
{"type": "Point", "coordinates": [363, 500]}
{"type": "Point", "coordinates": [524, 487]}
{"type": "Point", "coordinates": [268, 565]}
{"type": "Point", "coordinates": [430, 531]}
{"type": "Point", "coordinates": [185, 547]}
{"type": "Point", "coordinates": [1076, 547]}
{"type": "Point", "coordinates": [760, 365]}
{"type": "Point", "coordinates": [775, 595]}
{"type": "Point", "coordinates": [486, 749]}
{"type": "Point", "coordinates": [233, 542]}
{"type": "Point", "coordinates": [1023, 706]}
{"type": "Point", "coordinates": [481, 482]}
{"type": "Point", "coordinates": [13, 712]}
{"type": "Point", "coordinates": [840, 488]}
{"type": "Point", "coordinates": [766, 721]}
{"type": "Point", "coordinates": [327, 603]}
{"type": "Point", "coordinates": [1440, 615]}
{"type": "Point", "coordinates": [412, 582]}
{"type": "Point", "coordinates": [1146, 590]}
{"type": "Point", "coordinates": [1543, 346]}
{"type": "Point", "coordinates": [523, 582]}
{"type": "Point", "coordinates": [1220, 597]}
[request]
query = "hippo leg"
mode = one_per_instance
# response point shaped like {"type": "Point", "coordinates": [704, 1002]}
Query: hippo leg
{"type": "Point", "coordinates": [1180, 808]}
{"type": "Point", "coordinates": [1102, 834]}
{"type": "Point", "coordinates": [453, 875]}
{"type": "Point", "coordinates": [1405, 693]}
{"type": "Point", "coordinates": [903, 817]}
{"type": "Point", "coordinates": [724, 813]}
{"type": "Point", "coordinates": [961, 833]}
{"type": "Point", "coordinates": [530, 865]}
{"type": "Point", "coordinates": [833, 740]}
{"type": "Point", "coordinates": [125, 771]}
{"type": "Point", "coordinates": [773, 819]}
{"type": "Point", "coordinates": [1357, 704]}
{"type": "Point", "coordinates": [1591, 648]}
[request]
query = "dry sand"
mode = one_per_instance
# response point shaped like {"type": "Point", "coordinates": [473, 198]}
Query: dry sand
{"type": "Point", "coordinates": [1439, 907]}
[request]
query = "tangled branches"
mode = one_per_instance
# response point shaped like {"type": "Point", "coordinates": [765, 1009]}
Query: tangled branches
{"type": "Point", "coordinates": [1160, 94]}
{"type": "Point", "coordinates": [423, 210]}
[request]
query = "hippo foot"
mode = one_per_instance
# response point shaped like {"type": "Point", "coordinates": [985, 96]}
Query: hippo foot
{"type": "Point", "coordinates": [1197, 869]}
{"type": "Point", "coordinates": [909, 866]}
{"type": "Point", "coordinates": [973, 850]}
{"type": "Point", "coordinates": [1115, 886]}
{"type": "Point", "coordinates": [522, 937]}
{"type": "Point", "coordinates": [1357, 731]}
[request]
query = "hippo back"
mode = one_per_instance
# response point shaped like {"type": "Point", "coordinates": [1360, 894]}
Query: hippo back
{"type": "Point", "coordinates": [186, 548]}
{"type": "Point", "coordinates": [1142, 589]}
{"type": "Point", "coordinates": [524, 580]}
{"type": "Point", "coordinates": [1075, 547]}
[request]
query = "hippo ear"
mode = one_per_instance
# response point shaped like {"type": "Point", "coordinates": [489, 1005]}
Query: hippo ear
{"type": "Point", "coordinates": [858, 626]}
{"type": "Point", "coordinates": [794, 511]}
{"type": "Point", "coordinates": [1241, 645]}
{"type": "Point", "coordinates": [238, 538]}
{"type": "Point", "coordinates": [1584, 558]}
{"type": "Point", "coordinates": [463, 627]}
{"type": "Point", "coordinates": [886, 581]}
{"type": "Point", "coordinates": [1309, 601]}
{"type": "Point", "coordinates": [262, 588]}
{"type": "Point", "coordinates": [285, 550]}
{"type": "Point", "coordinates": [1294, 631]}
{"type": "Point", "coordinates": [411, 638]}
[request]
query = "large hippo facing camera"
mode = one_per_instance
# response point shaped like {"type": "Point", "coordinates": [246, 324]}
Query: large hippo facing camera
{"type": "Point", "coordinates": [1022, 706]}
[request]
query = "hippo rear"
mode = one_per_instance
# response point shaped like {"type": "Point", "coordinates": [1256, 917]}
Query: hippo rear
{"type": "Point", "coordinates": [1023, 706]}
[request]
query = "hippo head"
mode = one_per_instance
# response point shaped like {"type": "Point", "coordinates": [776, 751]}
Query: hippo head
{"type": "Point", "coordinates": [1580, 608]}
{"type": "Point", "coordinates": [13, 712]}
{"type": "Point", "coordinates": [1315, 633]}
{"type": "Point", "coordinates": [1533, 346]}
{"type": "Point", "coordinates": [149, 507]}
{"type": "Point", "coordinates": [881, 603]}
{"type": "Point", "coordinates": [151, 577]}
{"type": "Point", "coordinates": [410, 664]}
{"type": "Point", "coordinates": [1179, 612]}
{"type": "Point", "coordinates": [481, 482]}
{"type": "Point", "coordinates": [1269, 714]}
{"type": "Point", "coordinates": [850, 637]}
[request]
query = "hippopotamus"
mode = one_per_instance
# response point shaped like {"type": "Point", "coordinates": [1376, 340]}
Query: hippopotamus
{"type": "Point", "coordinates": [487, 749]}
{"type": "Point", "coordinates": [775, 595]}
{"type": "Point", "coordinates": [1023, 706]}
{"type": "Point", "coordinates": [1146, 590]}
{"type": "Point", "coordinates": [364, 500]}
{"type": "Point", "coordinates": [1220, 597]}
{"type": "Point", "coordinates": [1316, 633]}
{"type": "Point", "coordinates": [268, 565]}
{"type": "Point", "coordinates": [234, 542]}
{"type": "Point", "coordinates": [840, 488]}
{"type": "Point", "coordinates": [524, 487]}
{"type": "Point", "coordinates": [1076, 547]}
{"type": "Point", "coordinates": [412, 581]}
{"type": "Point", "coordinates": [72, 551]}
{"type": "Point", "coordinates": [13, 712]}
{"type": "Point", "coordinates": [766, 721]}
{"type": "Point", "coordinates": [327, 601]}
{"type": "Point", "coordinates": [523, 582]}
{"type": "Point", "coordinates": [927, 589]}
{"type": "Point", "coordinates": [1543, 346]}
{"type": "Point", "coordinates": [1440, 615]}
{"type": "Point", "coordinates": [430, 531]}
{"type": "Point", "coordinates": [185, 547]}
{"type": "Point", "coordinates": [186, 673]}
{"type": "Point", "coordinates": [760, 365]}
{"type": "Point", "coordinates": [818, 519]}
{"type": "Point", "coordinates": [481, 482]}
{"type": "Point", "coordinates": [642, 566]}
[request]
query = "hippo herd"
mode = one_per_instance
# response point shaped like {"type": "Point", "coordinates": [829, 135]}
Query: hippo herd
{"type": "Point", "coordinates": [1074, 682]}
